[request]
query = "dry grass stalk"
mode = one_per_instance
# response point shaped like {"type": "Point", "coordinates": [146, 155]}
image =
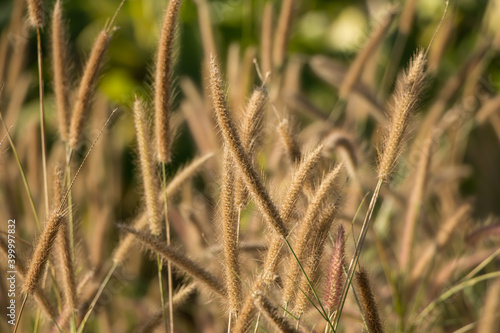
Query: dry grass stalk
{"type": "Point", "coordinates": [288, 138]}
{"type": "Point", "coordinates": [87, 87]}
{"type": "Point", "coordinates": [488, 323]}
{"type": "Point", "coordinates": [267, 38]}
{"type": "Point", "coordinates": [230, 233]}
{"type": "Point", "coordinates": [356, 68]}
{"type": "Point", "coordinates": [272, 314]}
{"type": "Point", "coordinates": [180, 297]}
{"type": "Point", "coordinates": [179, 260]}
{"type": "Point", "coordinates": [368, 303]}
{"type": "Point", "coordinates": [251, 130]}
{"type": "Point", "coordinates": [307, 230]}
{"type": "Point", "coordinates": [42, 252]}
{"type": "Point", "coordinates": [406, 97]}
{"type": "Point", "coordinates": [333, 290]}
{"type": "Point", "coordinates": [148, 171]}
{"type": "Point", "coordinates": [414, 204]}
{"type": "Point", "coordinates": [282, 33]}
{"type": "Point", "coordinates": [163, 81]}
{"type": "Point", "coordinates": [36, 13]}
{"type": "Point", "coordinates": [64, 246]}
{"type": "Point", "coordinates": [242, 160]}
{"type": "Point", "coordinates": [61, 71]}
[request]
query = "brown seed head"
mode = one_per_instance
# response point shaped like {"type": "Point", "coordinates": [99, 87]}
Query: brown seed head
{"type": "Point", "coordinates": [87, 87]}
{"type": "Point", "coordinates": [409, 88]}
{"type": "Point", "coordinates": [163, 81]}
{"type": "Point", "coordinates": [36, 13]}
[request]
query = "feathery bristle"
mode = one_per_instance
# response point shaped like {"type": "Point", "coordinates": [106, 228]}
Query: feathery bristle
{"type": "Point", "coordinates": [333, 290]}
{"type": "Point", "coordinates": [370, 308]}
{"type": "Point", "coordinates": [163, 81]}
{"type": "Point", "coordinates": [308, 229]}
{"type": "Point", "coordinates": [36, 13]}
{"type": "Point", "coordinates": [252, 126]}
{"type": "Point", "coordinates": [230, 233]}
{"type": "Point", "coordinates": [87, 87]}
{"type": "Point", "coordinates": [148, 172]}
{"type": "Point", "coordinates": [181, 261]}
{"type": "Point", "coordinates": [304, 171]}
{"type": "Point", "coordinates": [409, 88]}
{"type": "Point", "coordinates": [311, 264]}
{"type": "Point", "coordinates": [242, 160]}
{"type": "Point", "coordinates": [42, 252]}
{"type": "Point", "coordinates": [61, 72]}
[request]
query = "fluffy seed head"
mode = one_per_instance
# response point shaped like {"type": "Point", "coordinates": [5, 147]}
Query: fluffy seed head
{"type": "Point", "coordinates": [408, 91]}
{"type": "Point", "coordinates": [87, 87]}
{"type": "Point", "coordinates": [370, 308]}
{"type": "Point", "coordinates": [36, 13]}
{"type": "Point", "coordinates": [333, 290]}
{"type": "Point", "coordinates": [241, 158]}
{"type": "Point", "coordinates": [163, 84]}
{"type": "Point", "coordinates": [42, 252]}
{"type": "Point", "coordinates": [146, 161]}
{"type": "Point", "coordinates": [60, 65]}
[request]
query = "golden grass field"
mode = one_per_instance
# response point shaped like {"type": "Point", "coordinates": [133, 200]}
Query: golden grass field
{"type": "Point", "coordinates": [313, 167]}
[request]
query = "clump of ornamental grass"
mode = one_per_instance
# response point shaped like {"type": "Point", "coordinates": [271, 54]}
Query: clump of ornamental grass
{"type": "Point", "coordinates": [241, 158]}
{"type": "Point", "coordinates": [409, 88]}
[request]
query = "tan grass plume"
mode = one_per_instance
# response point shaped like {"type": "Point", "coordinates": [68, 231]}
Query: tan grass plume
{"type": "Point", "coordinates": [148, 171]}
{"type": "Point", "coordinates": [61, 71]}
{"type": "Point", "coordinates": [230, 232]}
{"type": "Point", "coordinates": [368, 303]}
{"type": "Point", "coordinates": [242, 160]}
{"type": "Point", "coordinates": [163, 81]}
{"type": "Point", "coordinates": [36, 13]}
{"type": "Point", "coordinates": [87, 87]}
{"type": "Point", "coordinates": [42, 252]}
{"type": "Point", "coordinates": [409, 88]}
